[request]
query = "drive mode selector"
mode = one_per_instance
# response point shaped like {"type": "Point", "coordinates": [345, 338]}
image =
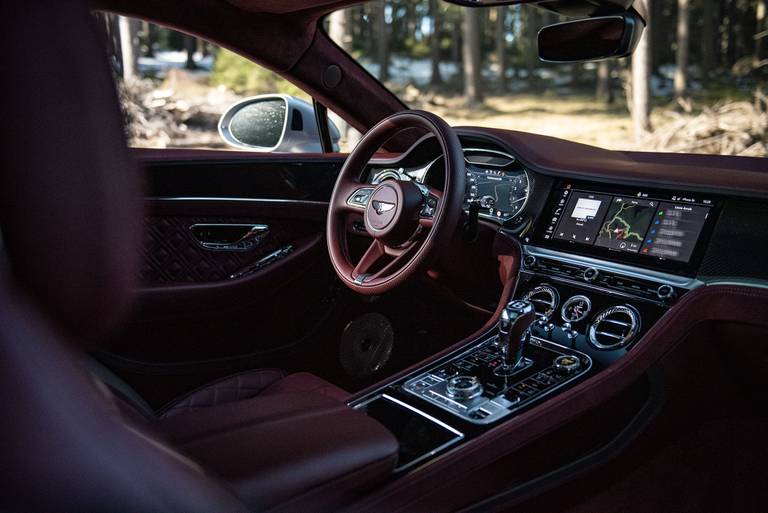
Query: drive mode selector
{"type": "Point", "coordinates": [464, 388]}
{"type": "Point", "coordinates": [566, 364]}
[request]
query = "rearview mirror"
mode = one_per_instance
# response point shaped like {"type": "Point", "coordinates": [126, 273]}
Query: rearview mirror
{"type": "Point", "coordinates": [274, 122]}
{"type": "Point", "coordinates": [591, 39]}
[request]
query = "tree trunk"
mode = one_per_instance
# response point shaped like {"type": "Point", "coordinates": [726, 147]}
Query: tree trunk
{"type": "Point", "coordinates": [472, 87]}
{"type": "Point", "coordinates": [708, 37]}
{"type": "Point", "coordinates": [641, 77]}
{"type": "Point", "coordinates": [456, 52]}
{"type": "Point", "coordinates": [604, 91]}
{"type": "Point", "coordinates": [190, 45]}
{"type": "Point", "coordinates": [501, 46]}
{"type": "Point", "coordinates": [129, 47]}
{"type": "Point", "coordinates": [760, 32]}
{"type": "Point", "coordinates": [434, 42]}
{"type": "Point", "coordinates": [683, 36]}
{"type": "Point", "coordinates": [382, 39]}
{"type": "Point", "coordinates": [532, 30]}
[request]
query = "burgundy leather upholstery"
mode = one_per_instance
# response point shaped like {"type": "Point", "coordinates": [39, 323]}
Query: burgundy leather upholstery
{"type": "Point", "coordinates": [71, 217]}
{"type": "Point", "coordinates": [69, 194]}
{"type": "Point", "coordinates": [64, 445]}
{"type": "Point", "coordinates": [247, 385]}
{"type": "Point", "coordinates": [316, 459]}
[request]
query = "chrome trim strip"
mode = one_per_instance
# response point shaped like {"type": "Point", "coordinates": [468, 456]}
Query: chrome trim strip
{"type": "Point", "coordinates": [459, 435]}
{"type": "Point", "coordinates": [497, 152]}
{"type": "Point", "coordinates": [248, 200]}
{"type": "Point", "coordinates": [683, 282]}
{"type": "Point", "coordinates": [737, 282]}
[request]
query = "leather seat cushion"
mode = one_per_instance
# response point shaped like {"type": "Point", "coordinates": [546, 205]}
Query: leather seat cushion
{"type": "Point", "coordinates": [249, 384]}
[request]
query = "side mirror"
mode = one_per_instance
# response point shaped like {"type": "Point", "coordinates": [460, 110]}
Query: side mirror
{"type": "Point", "coordinates": [274, 122]}
{"type": "Point", "coordinates": [591, 39]}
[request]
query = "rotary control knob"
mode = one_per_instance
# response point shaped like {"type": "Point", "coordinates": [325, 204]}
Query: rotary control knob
{"type": "Point", "coordinates": [464, 388]}
{"type": "Point", "coordinates": [665, 292]}
{"type": "Point", "coordinates": [567, 364]}
{"type": "Point", "coordinates": [529, 261]}
{"type": "Point", "coordinates": [590, 274]}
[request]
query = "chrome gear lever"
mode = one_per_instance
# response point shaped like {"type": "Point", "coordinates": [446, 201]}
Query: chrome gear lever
{"type": "Point", "coordinates": [516, 319]}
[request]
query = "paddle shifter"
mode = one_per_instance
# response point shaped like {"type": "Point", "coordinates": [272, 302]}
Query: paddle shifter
{"type": "Point", "coordinates": [515, 320]}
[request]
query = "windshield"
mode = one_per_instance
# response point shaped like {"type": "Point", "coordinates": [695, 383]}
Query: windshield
{"type": "Point", "coordinates": [706, 78]}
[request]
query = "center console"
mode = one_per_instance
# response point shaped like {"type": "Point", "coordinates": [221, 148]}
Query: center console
{"type": "Point", "coordinates": [600, 268]}
{"type": "Point", "coordinates": [480, 388]}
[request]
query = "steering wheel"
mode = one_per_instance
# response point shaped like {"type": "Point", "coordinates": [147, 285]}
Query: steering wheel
{"type": "Point", "coordinates": [409, 222]}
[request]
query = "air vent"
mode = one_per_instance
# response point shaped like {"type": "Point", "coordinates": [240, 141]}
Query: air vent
{"type": "Point", "coordinates": [556, 267]}
{"type": "Point", "coordinates": [545, 300]}
{"type": "Point", "coordinates": [615, 327]}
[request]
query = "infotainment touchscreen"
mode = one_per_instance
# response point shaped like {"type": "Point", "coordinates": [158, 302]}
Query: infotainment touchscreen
{"type": "Point", "coordinates": [649, 225]}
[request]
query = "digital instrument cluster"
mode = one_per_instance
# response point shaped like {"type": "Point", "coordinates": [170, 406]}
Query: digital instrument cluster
{"type": "Point", "coordinates": [497, 183]}
{"type": "Point", "coordinates": [501, 194]}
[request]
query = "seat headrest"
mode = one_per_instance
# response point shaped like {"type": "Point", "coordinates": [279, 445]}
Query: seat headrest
{"type": "Point", "coordinates": [70, 196]}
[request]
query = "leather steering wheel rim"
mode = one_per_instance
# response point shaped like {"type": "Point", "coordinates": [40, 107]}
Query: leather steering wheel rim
{"type": "Point", "coordinates": [398, 197]}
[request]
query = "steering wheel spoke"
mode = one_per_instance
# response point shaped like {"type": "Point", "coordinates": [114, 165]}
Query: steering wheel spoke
{"type": "Point", "coordinates": [375, 255]}
{"type": "Point", "coordinates": [375, 252]}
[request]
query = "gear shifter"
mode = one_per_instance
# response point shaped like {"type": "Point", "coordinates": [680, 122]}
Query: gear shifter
{"type": "Point", "coordinates": [515, 320]}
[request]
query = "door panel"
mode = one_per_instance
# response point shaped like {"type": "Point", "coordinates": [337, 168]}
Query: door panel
{"type": "Point", "coordinates": [173, 254]}
{"type": "Point", "coordinates": [204, 310]}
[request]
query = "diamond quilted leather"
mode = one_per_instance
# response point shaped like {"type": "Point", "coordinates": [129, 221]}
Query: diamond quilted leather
{"type": "Point", "coordinates": [172, 255]}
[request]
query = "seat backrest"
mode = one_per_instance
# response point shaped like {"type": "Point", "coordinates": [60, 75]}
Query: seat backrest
{"type": "Point", "coordinates": [70, 216]}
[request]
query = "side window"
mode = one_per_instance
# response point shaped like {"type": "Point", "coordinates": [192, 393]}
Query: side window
{"type": "Point", "coordinates": [178, 91]}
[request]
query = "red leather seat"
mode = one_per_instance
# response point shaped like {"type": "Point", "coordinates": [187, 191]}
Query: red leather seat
{"type": "Point", "coordinates": [250, 384]}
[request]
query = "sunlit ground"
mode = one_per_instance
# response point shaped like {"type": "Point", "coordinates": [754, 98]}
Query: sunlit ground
{"type": "Point", "coordinates": [578, 119]}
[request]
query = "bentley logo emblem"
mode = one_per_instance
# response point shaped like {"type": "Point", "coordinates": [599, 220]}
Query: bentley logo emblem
{"type": "Point", "coordinates": [382, 206]}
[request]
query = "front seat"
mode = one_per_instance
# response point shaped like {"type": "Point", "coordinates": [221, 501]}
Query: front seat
{"type": "Point", "coordinates": [70, 220]}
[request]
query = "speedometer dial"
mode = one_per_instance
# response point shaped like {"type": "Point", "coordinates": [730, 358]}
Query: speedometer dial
{"type": "Point", "coordinates": [502, 194]}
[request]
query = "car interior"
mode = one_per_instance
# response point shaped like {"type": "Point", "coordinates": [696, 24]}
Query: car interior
{"type": "Point", "coordinates": [197, 330]}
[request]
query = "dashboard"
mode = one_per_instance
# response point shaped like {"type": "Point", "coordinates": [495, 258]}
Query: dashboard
{"type": "Point", "coordinates": [658, 229]}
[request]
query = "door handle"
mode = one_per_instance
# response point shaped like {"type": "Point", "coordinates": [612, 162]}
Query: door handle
{"type": "Point", "coordinates": [229, 236]}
